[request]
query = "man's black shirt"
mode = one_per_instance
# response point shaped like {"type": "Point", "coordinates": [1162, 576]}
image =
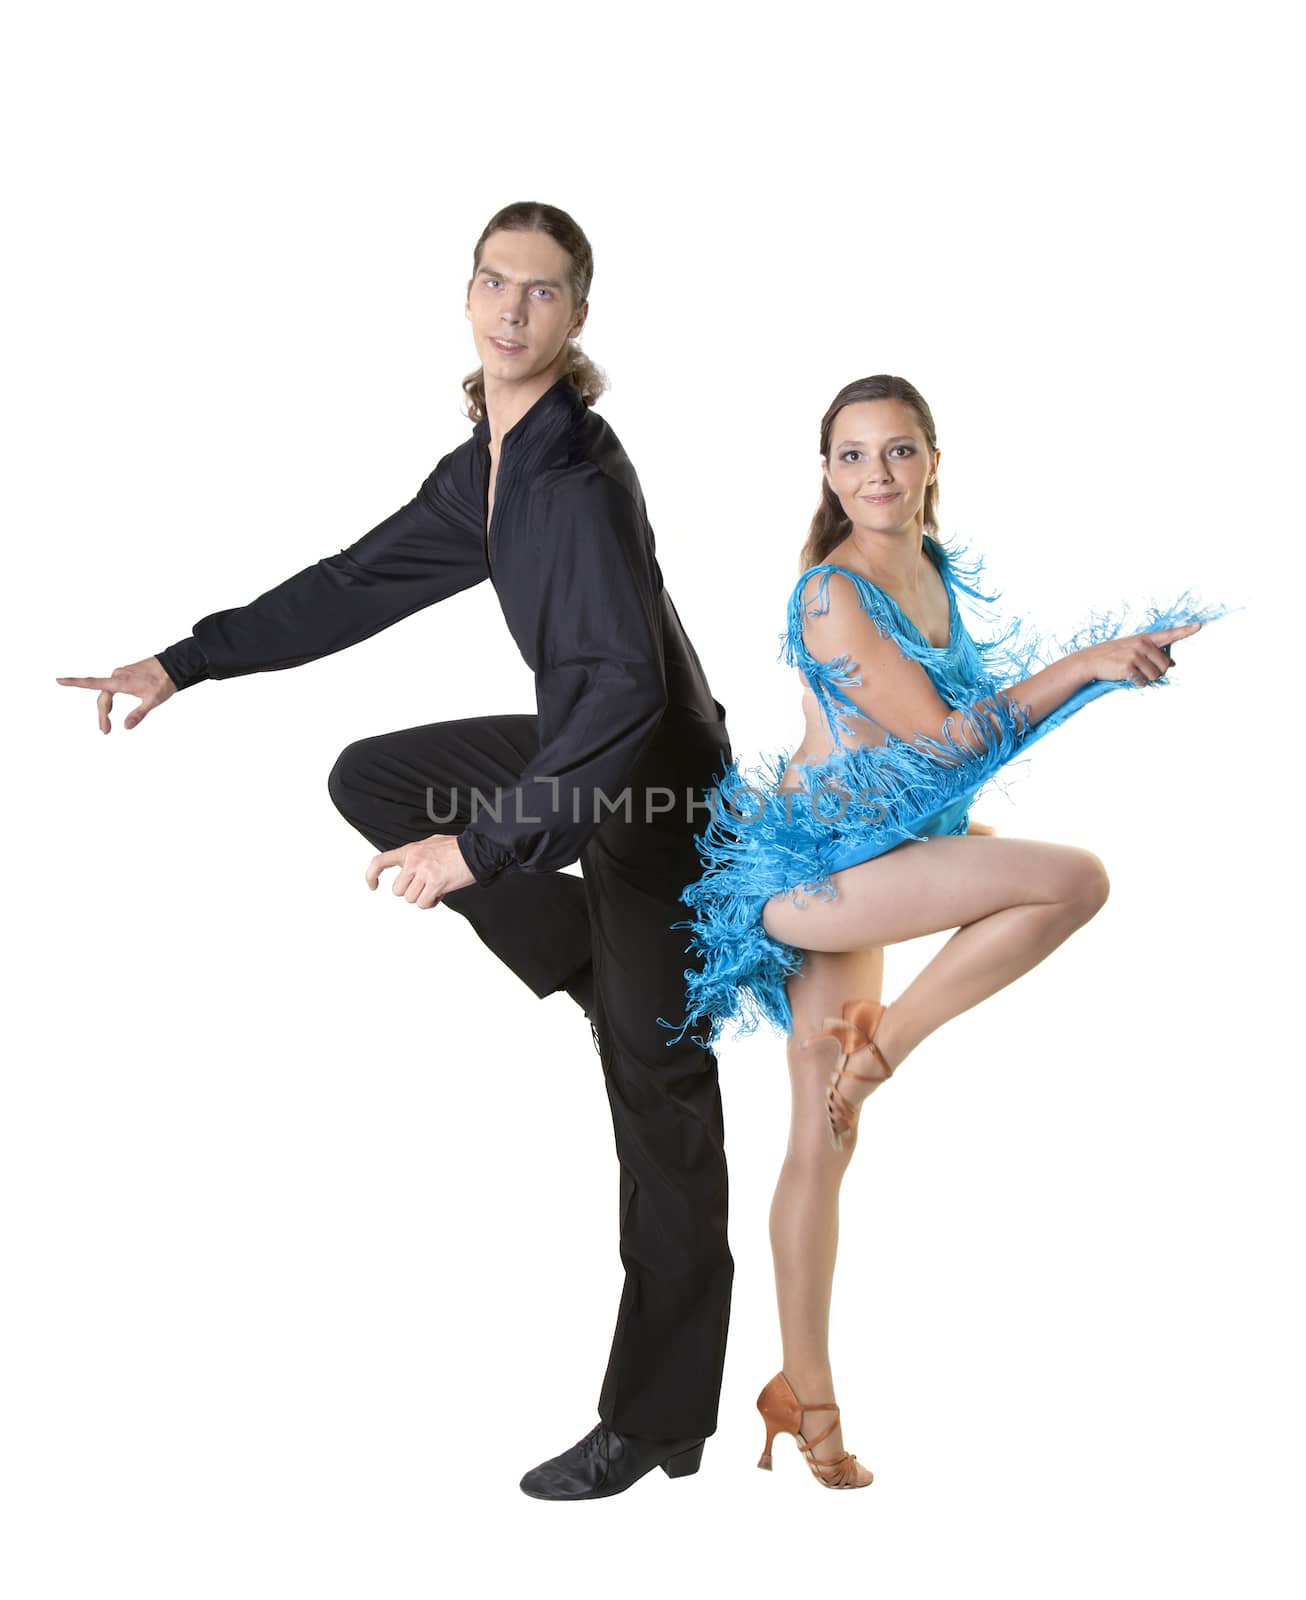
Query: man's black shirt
{"type": "Point", "coordinates": [571, 555]}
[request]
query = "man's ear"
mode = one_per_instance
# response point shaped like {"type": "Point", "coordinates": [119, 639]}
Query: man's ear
{"type": "Point", "coordinates": [580, 320]}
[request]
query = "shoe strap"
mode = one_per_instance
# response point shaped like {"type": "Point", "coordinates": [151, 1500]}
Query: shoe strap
{"type": "Point", "coordinates": [840, 1106]}
{"type": "Point", "coordinates": [865, 1077]}
{"type": "Point", "coordinates": [852, 1038]}
{"type": "Point", "coordinates": [823, 1405]}
{"type": "Point", "coordinates": [836, 1473]}
{"type": "Point", "coordinates": [839, 1470]}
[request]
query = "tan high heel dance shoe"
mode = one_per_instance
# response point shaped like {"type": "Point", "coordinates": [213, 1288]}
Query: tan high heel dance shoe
{"type": "Point", "coordinates": [782, 1412]}
{"type": "Point", "coordinates": [849, 1033]}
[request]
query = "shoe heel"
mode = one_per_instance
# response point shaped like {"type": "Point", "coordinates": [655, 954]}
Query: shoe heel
{"type": "Point", "coordinates": [686, 1463]}
{"type": "Point", "coordinates": [765, 1460]}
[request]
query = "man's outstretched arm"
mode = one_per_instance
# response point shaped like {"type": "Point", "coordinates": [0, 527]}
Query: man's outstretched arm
{"type": "Point", "coordinates": [427, 550]}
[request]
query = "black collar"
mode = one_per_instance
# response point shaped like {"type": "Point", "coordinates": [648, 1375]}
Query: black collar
{"type": "Point", "coordinates": [556, 409]}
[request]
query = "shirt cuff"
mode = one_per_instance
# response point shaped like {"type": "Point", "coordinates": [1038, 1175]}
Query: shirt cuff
{"type": "Point", "coordinates": [184, 662]}
{"type": "Point", "coordinates": [485, 859]}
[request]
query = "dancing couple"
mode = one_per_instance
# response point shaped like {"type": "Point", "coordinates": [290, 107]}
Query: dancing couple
{"type": "Point", "coordinates": [862, 837]}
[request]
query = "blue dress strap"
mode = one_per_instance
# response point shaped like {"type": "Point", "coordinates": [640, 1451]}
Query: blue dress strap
{"type": "Point", "coordinates": [829, 681]}
{"type": "Point", "coordinates": [956, 669]}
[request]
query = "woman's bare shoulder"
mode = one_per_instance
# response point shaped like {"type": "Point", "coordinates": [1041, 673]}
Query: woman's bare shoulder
{"type": "Point", "coordinates": [840, 600]}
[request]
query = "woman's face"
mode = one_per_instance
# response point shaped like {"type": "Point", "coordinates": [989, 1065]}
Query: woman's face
{"type": "Point", "coordinates": [519, 305]}
{"type": "Point", "coordinates": [880, 466]}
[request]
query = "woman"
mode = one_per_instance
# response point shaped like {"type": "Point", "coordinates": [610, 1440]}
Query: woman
{"type": "Point", "coordinates": [861, 839]}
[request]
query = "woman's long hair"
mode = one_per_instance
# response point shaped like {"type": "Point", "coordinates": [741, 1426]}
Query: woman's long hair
{"type": "Point", "coordinates": [830, 526]}
{"type": "Point", "coordinates": [533, 216]}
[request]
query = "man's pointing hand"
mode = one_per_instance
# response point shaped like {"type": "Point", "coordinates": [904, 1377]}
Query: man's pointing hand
{"type": "Point", "coordinates": [145, 679]}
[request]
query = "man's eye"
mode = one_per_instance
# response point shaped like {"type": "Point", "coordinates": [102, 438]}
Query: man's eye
{"type": "Point", "coordinates": [547, 293]}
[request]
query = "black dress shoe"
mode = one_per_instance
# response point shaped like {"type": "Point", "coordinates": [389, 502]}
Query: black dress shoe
{"type": "Point", "coordinates": [605, 1462]}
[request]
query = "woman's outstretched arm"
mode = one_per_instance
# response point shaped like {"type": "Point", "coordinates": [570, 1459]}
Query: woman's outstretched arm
{"type": "Point", "coordinates": [896, 694]}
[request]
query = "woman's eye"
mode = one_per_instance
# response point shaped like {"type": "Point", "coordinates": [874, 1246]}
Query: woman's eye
{"type": "Point", "coordinates": [850, 455]}
{"type": "Point", "coordinates": [905, 448]}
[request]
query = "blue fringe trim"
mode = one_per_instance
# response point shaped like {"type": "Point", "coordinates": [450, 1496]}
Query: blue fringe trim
{"type": "Point", "coordinates": [864, 801]}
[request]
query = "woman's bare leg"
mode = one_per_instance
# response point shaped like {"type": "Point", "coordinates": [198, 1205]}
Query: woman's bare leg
{"type": "Point", "coordinates": [805, 1210]}
{"type": "Point", "coordinates": [1012, 901]}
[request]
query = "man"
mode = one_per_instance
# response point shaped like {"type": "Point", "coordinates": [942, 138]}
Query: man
{"type": "Point", "coordinates": [612, 770]}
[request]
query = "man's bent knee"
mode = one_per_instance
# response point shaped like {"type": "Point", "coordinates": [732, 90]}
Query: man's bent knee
{"type": "Point", "coordinates": [343, 775]}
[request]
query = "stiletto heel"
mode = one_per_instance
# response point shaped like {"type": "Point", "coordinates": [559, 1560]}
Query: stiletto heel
{"type": "Point", "coordinates": [782, 1412]}
{"type": "Point", "coordinates": [853, 1031]}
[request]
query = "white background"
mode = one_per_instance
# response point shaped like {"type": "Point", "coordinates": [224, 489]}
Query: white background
{"type": "Point", "coordinates": [302, 1269]}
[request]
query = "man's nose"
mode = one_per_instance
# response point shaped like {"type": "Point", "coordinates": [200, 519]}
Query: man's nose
{"type": "Point", "coordinates": [513, 308]}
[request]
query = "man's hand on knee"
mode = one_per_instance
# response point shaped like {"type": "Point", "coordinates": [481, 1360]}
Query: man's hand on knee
{"type": "Point", "coordinates": [429, 869]}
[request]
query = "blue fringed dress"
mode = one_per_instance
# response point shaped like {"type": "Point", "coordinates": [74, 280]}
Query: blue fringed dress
{"type": "Point", "coordinates": [861, 802]}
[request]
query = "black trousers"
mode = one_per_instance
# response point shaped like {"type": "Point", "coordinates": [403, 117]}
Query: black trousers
{"type": "Point", "coordinates": [664, 1371]}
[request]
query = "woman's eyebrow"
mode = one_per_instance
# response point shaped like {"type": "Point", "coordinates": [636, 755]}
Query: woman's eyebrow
{"type": "Point", "coordinates": [893, 438]}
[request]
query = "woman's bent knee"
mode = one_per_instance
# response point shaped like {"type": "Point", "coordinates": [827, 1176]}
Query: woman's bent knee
{"type": "Point", "coordinates": [1090, 884]}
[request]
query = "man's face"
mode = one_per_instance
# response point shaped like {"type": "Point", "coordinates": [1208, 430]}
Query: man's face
{"type": "Point", "coordinates": [520, 308]}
